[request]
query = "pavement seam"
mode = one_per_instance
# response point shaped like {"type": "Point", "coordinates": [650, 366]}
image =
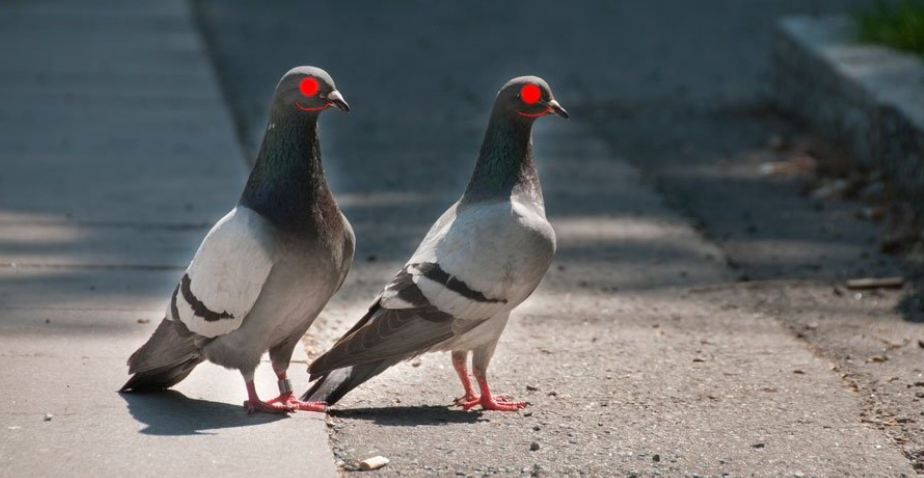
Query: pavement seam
{"type": "Point", "coordinates": [237, 121]}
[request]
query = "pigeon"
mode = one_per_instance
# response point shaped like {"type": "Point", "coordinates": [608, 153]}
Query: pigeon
{"type": "Point", "coordinates": [267, 268]}
{"type": "Point", "coordinates": [483, 257]}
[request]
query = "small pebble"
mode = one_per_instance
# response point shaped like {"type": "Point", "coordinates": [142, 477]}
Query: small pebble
{"type": "Point", "coordinates": [48, 417]}
{"type": "Point", "coordinates": [533, 446]}
{"type": "Point", "coordinates": [656, 458]}
{"type": "Point", "coordinates": [373, 463]}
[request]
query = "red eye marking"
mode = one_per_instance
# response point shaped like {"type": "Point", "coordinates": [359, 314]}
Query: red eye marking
{"type": "Point", "coordinates": [530, 93]}
{"type": "Point", "coordinates": [308, 86]}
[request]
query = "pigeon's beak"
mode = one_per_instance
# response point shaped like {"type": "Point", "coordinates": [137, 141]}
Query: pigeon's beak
{"type": "Point", "coordinates": [558, 110]}
{"type": "Point", "coordinates": [337, 100]}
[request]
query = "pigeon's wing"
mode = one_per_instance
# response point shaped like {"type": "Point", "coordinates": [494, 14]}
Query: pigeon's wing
{"type": "Point", "coordinates": [401, 324]}
{"type": "Point", "coordinates": [349, 249]}
{"type": "Point", "coordinates": [428, 302]}
{"type": "Point", "coordinates": [225, 278]}
{"type": "Point", "coordinates": [478, 260]}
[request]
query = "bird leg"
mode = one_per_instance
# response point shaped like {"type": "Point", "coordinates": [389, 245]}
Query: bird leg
{"type": "Point", "coordinates": [254, 404]}
{"type": "Point", "coordinates": [458, 363]}
{"type": "Point", "coordinates": [491, 402]}
{"type": "Point", "coordinates": [480, 360]}
{"type": "Point", "coordinates": [287, 399]}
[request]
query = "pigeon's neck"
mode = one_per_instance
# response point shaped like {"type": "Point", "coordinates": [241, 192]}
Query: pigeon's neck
{"type": "Point", "coordinates": [505, 166]}
{"type": "Point", "coordinates": [287, 185]}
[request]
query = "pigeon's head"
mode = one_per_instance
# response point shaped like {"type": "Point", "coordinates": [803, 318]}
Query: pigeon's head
{"type": "Point", "coordinates": [308, 90]}
{"type": "Point", "coordinates": [527, 97]}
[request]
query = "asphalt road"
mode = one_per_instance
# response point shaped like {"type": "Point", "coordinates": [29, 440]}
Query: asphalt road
{"type": "Point", "coordinates": [689, 326]}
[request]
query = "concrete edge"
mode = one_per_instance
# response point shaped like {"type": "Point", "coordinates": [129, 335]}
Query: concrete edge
{"type": "Point", "coordinates": [867, 98]}
{"type": "Point", "coordinates": [247, 157]}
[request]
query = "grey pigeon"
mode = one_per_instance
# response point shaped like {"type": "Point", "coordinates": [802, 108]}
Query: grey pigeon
{"type": "Point", "coordinates": [484, 256]}
{"type": "Point", "coordinates": [266, 269]}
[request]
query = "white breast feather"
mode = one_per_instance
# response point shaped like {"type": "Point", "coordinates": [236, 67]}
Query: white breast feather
{"type": "Point", "coordinates": [501, 250]}
{"type": "Point", "coordinates": [228, 272]}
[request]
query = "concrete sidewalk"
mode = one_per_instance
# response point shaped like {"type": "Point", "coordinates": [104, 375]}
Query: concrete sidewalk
{"type": "Point", "coordinates": [117, 154]}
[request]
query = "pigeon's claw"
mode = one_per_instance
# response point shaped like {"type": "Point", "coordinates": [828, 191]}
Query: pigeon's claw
{"type": "Point", "coordinates": [464, 399]}
{"type": "Point", "coordinates": [288, 400]}
{"type": "Point", "coordinates": [254, 406]}
{"type": "Point", "coordinates": [489, 402]}
{"type": "Point", "coordinates": [311, 406]}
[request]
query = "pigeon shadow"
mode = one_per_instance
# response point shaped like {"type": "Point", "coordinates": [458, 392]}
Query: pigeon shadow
{"type": "Point", "coordinates": [171, 413]}
{"type": "Point", "coordinates": [430, 415]}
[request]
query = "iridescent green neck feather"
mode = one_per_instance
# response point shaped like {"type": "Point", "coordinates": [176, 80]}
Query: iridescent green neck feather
{"type": "Point", "coordinates": [505, 165]}
{"type": "Point", "coordinates": [287, 185]}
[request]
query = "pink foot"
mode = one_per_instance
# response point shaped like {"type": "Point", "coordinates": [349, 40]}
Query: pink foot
{"type": "Point", "coordinates": [488, 402]}
{"type": "Point", "coordinates": [468, 397]}
{"type": "Point", "coordinates": [289, 400]}
{"type": "Point", "coordinates": [254, 406]}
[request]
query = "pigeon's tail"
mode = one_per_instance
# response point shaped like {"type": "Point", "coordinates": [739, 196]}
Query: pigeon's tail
{"type": "Point", "coordinates": [160, 379]}
{"type": "Point", "coordinates": [166, 359]}
{"type": "Point", "coordinates": [334, 385]}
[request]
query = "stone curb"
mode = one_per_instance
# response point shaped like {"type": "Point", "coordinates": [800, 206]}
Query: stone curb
{"type": "Point", "coordinates": [867, 98]}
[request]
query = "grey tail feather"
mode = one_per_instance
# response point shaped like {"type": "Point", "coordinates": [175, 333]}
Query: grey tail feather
{"type": "Point", "coordinates": [334, 385]}
{"type": "Point", "coordinates": [165, 359]}
{"type": "Point", "coordinates": [161, 378]}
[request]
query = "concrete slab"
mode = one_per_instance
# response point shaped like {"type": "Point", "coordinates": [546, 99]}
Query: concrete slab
{"type": "Point", "coordinates": [118, 155]}
{"type": "Point", "coordinates": [92, 160]}
{"type": "Point", "coordinates": [95, 431]}
{"type": "Point", "coordinates": [56, 244]}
